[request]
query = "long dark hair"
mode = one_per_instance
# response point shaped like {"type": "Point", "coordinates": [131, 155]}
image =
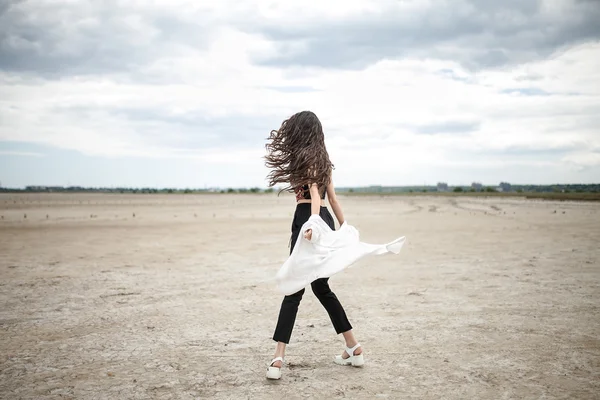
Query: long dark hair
{"type": "Point", "coordinates": [297, 154]}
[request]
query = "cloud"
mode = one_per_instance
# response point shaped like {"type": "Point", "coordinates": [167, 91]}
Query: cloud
{"type": "Point", "coordinates": [91, 37]}
{"type": "Point", "coordinates": [478, 34]}
{"type": "Point", "coordinates": [292, 89]}
{"type": "Point", "coordinates": [415, 86]}
{"type": "Point", "coordinates": [526, 91]}
{"type": "Point", "coordinates": [583, 160]}
{"type": "Point", "coordinates": [177, 130]}
{"type": "Point", "coordinates": [20, 153]}
{"type": "Point", "coordinates": [88, 37]}
{"type": "Point", "coordinates": [449, 127]}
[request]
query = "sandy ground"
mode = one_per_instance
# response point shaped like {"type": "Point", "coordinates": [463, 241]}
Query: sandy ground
{"type": "Point", "coordinates": [168, 297]}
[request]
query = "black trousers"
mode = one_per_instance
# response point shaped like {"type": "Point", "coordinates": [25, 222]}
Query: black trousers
{"type": "Point", "coordinates": [320, 287]}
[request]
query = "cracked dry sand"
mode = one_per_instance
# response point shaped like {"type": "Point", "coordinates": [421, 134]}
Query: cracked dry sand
{"type": "Point", "coordinates": [167, 297]}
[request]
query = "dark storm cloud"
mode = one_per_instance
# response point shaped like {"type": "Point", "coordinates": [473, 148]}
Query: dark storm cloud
{"type": "Point", "coordinates": [95, 37]}
{"type": "Point", "coordinates": [476, 33]}
{"type": "Point", "coordinates": [90, 37]}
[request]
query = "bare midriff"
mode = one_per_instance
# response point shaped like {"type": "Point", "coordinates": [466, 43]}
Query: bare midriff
{"type": "Point", "coordinates": [308, 201]}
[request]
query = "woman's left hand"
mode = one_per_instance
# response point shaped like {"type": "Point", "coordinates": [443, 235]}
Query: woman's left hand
{"type": "Point", "coordinates": [308, 234]}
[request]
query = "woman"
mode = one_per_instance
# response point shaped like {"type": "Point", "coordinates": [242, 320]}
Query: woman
{"type": "Point", "coordinates": [298, 158]}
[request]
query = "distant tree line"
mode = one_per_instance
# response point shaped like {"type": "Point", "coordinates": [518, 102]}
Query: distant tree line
{"type": "Point", "coordinates": [504, 187]}
{"type": "Point", "coordinates": [80, 189]}
{"type": "Point", "coordinates": [566, 188]}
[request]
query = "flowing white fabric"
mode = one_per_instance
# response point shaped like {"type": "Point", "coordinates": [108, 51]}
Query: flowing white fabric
{"type": "Point", "coordinates": [325, 254]}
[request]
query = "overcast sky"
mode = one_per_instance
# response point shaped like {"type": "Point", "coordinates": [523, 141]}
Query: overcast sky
{"type": "Point", "coordinates": [183, 93]}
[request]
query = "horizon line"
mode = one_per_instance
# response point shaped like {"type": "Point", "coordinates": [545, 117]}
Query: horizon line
{"type": "Point", "coordinates": [208, 188]}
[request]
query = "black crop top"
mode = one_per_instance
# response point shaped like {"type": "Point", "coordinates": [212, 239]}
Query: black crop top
{"type": "Point", "coordinates": [303, 193]}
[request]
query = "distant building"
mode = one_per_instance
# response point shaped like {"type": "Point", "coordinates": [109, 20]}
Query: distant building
{"type": "Point", "coordinates": [476, 186]}
{"type": "Point", "coordinates": [504, 187]}
{"type": "Point", "coordinates": [442, 187]}
{"type": "Point", "coordinates": [38, 188]}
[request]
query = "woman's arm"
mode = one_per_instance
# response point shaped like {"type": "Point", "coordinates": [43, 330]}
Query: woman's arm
{"type": "Point", "coordinates": [315, 199]}
{"type": "Point", "coordinates": [335, 204]}
{"type": "Point", "coordinates": [315, 206]}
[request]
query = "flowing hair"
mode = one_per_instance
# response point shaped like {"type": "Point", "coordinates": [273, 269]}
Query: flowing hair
{"type": "Point", "coordinates": [297, 155]}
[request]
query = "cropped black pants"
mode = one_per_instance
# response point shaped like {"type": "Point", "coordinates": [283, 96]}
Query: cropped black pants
{"type": "Point", "coordinates": [320, 287]}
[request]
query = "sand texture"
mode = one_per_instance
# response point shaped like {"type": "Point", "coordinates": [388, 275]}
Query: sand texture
{"type": "Point", "coordinates": [168, 297]}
